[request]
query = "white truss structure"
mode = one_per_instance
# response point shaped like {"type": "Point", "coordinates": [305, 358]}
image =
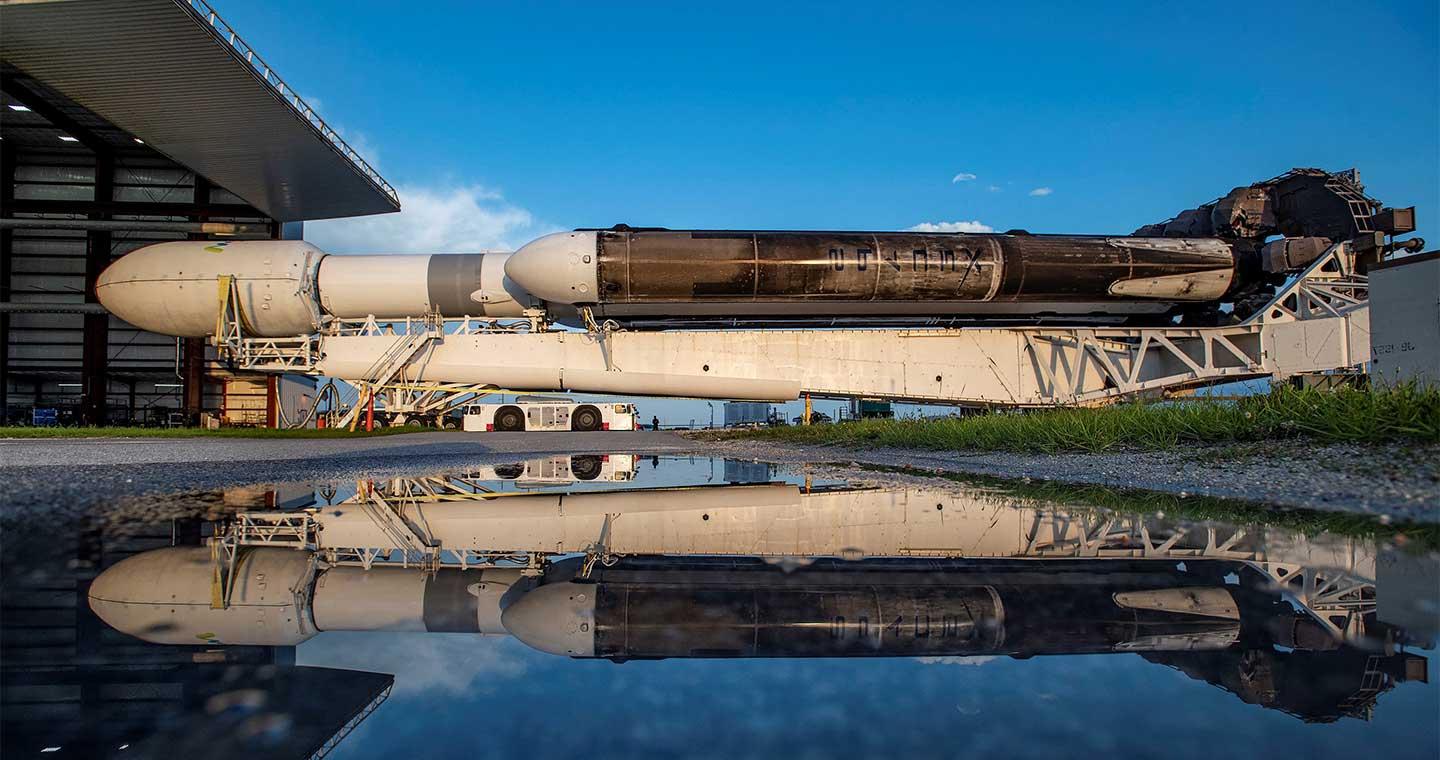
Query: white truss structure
{"type": "Point", "coordinates": [1335, 582]}
{"type": "Point", "coordinates": [1338, 593]}
{"type": "Point", "coordinates": [1318, 322]}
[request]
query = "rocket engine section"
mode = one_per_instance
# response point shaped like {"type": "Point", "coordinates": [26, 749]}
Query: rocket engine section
{"type": "Point", "coordinates": [630, 273]}
{"type": "Point", "coordinates": [286, 288]}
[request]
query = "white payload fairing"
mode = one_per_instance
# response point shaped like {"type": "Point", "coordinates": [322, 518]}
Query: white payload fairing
{"type": "Point", "coordinates": [290, 287]}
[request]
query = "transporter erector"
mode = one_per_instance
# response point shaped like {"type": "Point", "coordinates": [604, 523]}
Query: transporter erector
{"type": "Point", "coordinates": [1265, 282]}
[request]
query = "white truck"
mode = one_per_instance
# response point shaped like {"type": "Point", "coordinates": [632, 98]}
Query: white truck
{"type": "Point", "coordinates": [548, 413]}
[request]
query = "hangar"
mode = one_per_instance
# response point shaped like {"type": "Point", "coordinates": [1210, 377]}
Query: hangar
{"type": "Point", "coordinates": [130, 122]}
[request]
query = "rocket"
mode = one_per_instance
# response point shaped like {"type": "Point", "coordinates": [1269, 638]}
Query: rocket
{"type": "Point", "coordinates": [291, 288]}
{"type": "Point", "coordinates": [1246, 639]}
{"type": "Point", "coordinates": [651, 607]}
{"type": "Point", "coordinates": [1226, 251]}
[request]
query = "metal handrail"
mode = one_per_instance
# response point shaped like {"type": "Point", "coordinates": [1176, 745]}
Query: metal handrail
{"type": "Point", "coordinates": [223, 32]}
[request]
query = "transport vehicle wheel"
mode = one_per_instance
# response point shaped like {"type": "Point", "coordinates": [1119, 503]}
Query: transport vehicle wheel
{"type": "Point", "coordinates": [509, 419]}
{"type": "Point", "coordinates": [585, 467]}
{"type": "Point", "coordinates": [585, 418]}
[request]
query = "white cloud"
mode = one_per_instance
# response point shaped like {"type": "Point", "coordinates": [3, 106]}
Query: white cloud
{"type": "Point", "coordinates": [963, 177]}
{"type": "Point", "coordinates": [973, 660]}
{"type": "Point", "coordinates": [993, 188]}
{"type": "Point", "coordinates": [449, 663]}
{"type": "Point", "coordinates": [1041, 192]}
{"type": "Point", "coordinates": [971, 226]}
{"type": "Point", "coordinates": [455, 219]}
{"type": "Point", "coordinates": [434, 218]}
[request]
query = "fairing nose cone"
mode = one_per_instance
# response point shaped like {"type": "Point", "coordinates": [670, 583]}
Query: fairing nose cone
{"type": "Point", "coordinates": [130, 289]}
{"type": "Point", "coordinates": [167, 596]}
{"type": "Point", "coordinates": [173, 288]}
{"type": "Point", "coordinates": [137, 594]}
{"type": "Point", "coordinates": [558, 618]}
{"type": "Point", "coordinates": [560, 268]}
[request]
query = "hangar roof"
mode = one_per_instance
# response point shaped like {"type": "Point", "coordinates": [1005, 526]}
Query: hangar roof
{"type": "Point", "coordinates": [174, 74]}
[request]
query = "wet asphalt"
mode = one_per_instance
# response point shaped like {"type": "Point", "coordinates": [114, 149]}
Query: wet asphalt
{"type": "Point", "coordinates": [57, 476]}
{"type": "Point", "coordinates": [75, 473]}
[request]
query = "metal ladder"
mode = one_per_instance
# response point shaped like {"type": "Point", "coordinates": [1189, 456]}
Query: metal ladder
{"type": "Point", "coordinates": [1372, 682]}
{"type": "Point", "coordinates": [393, 362]}
{"type": "Point", "coordinates": [402, 353]}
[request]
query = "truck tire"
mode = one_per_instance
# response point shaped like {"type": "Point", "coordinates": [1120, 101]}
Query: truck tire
{"type": "Point", "coordinates": [585, 417]}
{"type": "Point", "coordinates": [509, 419]}
{"type": "Point", "coordinates": [586, 467]}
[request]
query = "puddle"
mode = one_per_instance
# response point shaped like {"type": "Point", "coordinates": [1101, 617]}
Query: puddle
{"type": "Point", "coordinates": [620, 605]}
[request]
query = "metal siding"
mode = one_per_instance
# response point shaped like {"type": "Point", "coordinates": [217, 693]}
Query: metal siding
{"type": "Point", "coordinates": [1405, 321]}
{"type": "Point", "coordinates": [152, 68]}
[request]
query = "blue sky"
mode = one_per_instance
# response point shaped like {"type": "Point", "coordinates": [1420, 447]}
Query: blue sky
{"type": "Point", "coordinates": [859, 115]}
{"type": "Point", "coordinates": [502, 121]}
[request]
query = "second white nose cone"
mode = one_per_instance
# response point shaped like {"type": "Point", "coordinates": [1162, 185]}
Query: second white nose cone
{"type": "Point", "coordinates": [558, 618]}
{"type": "Point", "coordinates": [559, 268]}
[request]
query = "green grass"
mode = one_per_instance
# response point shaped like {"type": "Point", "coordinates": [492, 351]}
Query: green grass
{"type": "Point", "coordinates": [1422, 536]}
{"type": "Point", "coordinates": [1404, 414]}
{"type": "Point", "coordinates": [143, 432]}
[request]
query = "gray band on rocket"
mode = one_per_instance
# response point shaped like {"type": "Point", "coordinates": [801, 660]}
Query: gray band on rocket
{"type": "Point", "coordinates": [451, 280]}
{"type": "Point", "coordinates": [449, 605]}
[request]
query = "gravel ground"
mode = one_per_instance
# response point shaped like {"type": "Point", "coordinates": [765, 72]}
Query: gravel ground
{"type": "Point", "coordinates": [1402, 482]}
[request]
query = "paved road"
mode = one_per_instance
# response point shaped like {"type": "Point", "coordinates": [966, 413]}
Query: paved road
{"type": "Point", "coordinates": [75, 473]}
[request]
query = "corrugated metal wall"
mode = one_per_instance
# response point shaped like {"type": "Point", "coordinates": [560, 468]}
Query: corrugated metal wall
{"type": "Point", "coordinates": [45, 350]}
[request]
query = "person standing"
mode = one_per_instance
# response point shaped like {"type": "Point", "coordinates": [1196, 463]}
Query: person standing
{"type": "Point", "coordinates": [655, 422]}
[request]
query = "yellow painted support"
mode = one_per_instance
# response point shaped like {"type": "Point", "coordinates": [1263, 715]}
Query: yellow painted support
{"type": "Point", "coordinates": [359, 405]}
{"type": "Point", "coordinates": [808, 410]}
{"type": "Point", "coordinates": [217, 582]}
{"type": "Point", "coordinates": [223, 283]}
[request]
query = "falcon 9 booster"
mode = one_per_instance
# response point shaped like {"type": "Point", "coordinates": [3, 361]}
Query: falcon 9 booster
{"type": "Point", "coordinates": [624, 273]}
